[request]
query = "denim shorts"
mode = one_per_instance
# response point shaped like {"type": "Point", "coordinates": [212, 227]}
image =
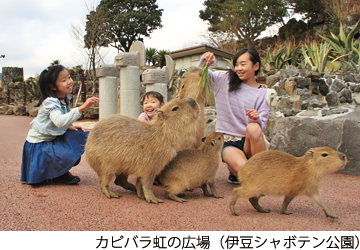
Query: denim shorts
{"type": "Point", "coordinates": [236, 144]}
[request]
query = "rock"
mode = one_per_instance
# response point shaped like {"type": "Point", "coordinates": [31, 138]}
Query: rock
{"type": "Point", "coordinates": [91, 113]}
{"type": "Point", "coordinates": [309, 113]}
{"type": "Point", "coordinates": [323, 87]}
{"type": "Point", "coordinates": [33, 112]}
{"type": "Point", "coordinates": [289, 87]}
{"type": "Point", "coordinates": [337, 85]}
{"type": "Point", "coordinates": [279, 89]}
{"type": "Point", "coordinates": [289, 72]}
{"type": "Point", "coordinates": [356, 98]}
{"type": "Point", "coordinates": [295, 135]}
{"type": "Point", "coordinates": [273, 116]}
{"type": "Point", "coordinates": [290, 112]}
{"type": "Point", "coordinates": [302, 82]}
{"type": "Point", "coordinates": [332, 99]}
{"type": "Point", "coordinates": [9, 110]}
{"type": "Point", "coordinates": [317, 101]}
{"type": "Point", "coordinates": [326, 112]}
{"type": "Point", "coordinates": [272, 80]}
{"type": "Point", "coordinates": [31, 105]}
{"type": "Point", "coordinates": [297, 103]}
{"type": "Point", "coordinates": [284, 103]}
{"type": "Point", "coordinates": [19, 109]}
{"type": "Point", "coordinates": [345, 96]}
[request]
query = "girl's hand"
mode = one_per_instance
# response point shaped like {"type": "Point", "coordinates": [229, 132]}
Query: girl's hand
{"type": "Point", "coordinates": [76, 128]}
{"type": "Point", "coordinates": [252, 114]}
{"type": "Point", "coordinates": [88, 103]}
{"type": "Point", "coordinates": [209, 57]}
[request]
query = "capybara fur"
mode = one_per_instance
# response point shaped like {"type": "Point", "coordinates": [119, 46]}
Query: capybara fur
{"type": "Point", "coordinates": [275, 172]}
{"type": "Point", "coordinates": [121, 146]}
{"type": "Point", "coordinates": [189, 89]}
{"type": "Point", "coordinates": [194, 167]}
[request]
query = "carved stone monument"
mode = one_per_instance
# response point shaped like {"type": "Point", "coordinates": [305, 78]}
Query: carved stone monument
{"type": "Point", "coordinates": [108, 75]}
{"type": "Point", "coordinates": [158, 79]}
{"type": "Point", "coordinates": [130, 63]}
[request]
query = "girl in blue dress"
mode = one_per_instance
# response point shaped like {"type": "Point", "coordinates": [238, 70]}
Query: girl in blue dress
{"type": "Point", "coordinates": [53, 146]}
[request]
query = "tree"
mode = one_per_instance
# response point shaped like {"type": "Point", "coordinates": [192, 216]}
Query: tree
{"type": "Point", "coordinates": [93, 39]}
{"type": "Point", "coordinates": [309, 8]}
{"type": "Point", "coordinates": [86, 38]}
{"type": "Point", "coordinates": [151, 56]}
{"type": "Point", "coordinates": [160, 58]}
{"type": "Point", "coordinates": [245, 19]}
{"type": "Point", "coordinates": [128, 20]}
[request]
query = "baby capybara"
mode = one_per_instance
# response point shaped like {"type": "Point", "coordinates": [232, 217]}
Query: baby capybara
{"type": "Point", "coordinates": [194, 167]}
{"type": "Point", "coordinates": [121, 146]}
{"type": "Point", "coordinates": [275, 172]}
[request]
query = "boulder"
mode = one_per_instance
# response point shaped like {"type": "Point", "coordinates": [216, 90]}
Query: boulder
{"type": "Point", "coordinates": [296, 135]}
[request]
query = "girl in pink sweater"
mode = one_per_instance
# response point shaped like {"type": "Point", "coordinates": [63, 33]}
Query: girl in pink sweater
{"type": "Point", "coordinates": [242, 108]}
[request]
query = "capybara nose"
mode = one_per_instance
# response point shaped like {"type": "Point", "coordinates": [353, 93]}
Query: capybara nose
{"type": "Point", "coordinates": [191, 101]}
{"type": "Point", "coordinates": [342, 156]}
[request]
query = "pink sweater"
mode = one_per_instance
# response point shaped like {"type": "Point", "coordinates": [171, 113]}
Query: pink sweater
{"type": "Point", "coordinates": [231, 106]}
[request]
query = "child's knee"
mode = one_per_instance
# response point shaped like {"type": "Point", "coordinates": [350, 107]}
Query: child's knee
{"type": "Point", "coordinates": [253, 130]}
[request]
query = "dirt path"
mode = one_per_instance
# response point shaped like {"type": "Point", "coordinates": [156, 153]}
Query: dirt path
{"type": "Point", "coordinates": [84, 208]}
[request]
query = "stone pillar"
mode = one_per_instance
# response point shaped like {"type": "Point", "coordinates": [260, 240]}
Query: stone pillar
{"type": "Point", "coordinates": [108, 75]}
{"type": "Point", "coordinates": [158, 79]}
{"type": "Point", "coordinates": [129, 63]}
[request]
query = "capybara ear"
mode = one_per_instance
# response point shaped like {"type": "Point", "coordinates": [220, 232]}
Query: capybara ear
{"type": "Point", "coordinates": [213, 142]}
{"type": "Point", "coordinates": [203, 139]}
{"type": "Point", "coordinates": [160, 113]}
{"type": "Point", "coordinates": [310, 153]}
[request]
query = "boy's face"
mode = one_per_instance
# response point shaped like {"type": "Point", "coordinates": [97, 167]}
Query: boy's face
{"type": "Point", "coordinates": [150, 104]}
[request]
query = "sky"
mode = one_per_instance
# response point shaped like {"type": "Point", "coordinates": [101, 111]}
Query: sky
{"type": "Point", "coordinates": [35, 33]}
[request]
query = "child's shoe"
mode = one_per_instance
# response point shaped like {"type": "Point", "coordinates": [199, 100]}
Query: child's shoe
{"type": "Point", "coordinates": [232, 179]}
{"type": "Point", "coordinates": [67, 179]}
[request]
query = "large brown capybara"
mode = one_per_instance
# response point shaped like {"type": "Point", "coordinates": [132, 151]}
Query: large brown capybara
{"type": "Point", "coordinates": [275, 172]}
{"type": "Point", "coordinates": [194, 167]}
{"type": "Point", "coordinates": [189, 88]}
{"type": "Point", "coordinates": [120, 146]}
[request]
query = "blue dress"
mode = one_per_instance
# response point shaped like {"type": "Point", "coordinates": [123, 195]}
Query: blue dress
{"type": "Point", "coordinates": [50, 159]}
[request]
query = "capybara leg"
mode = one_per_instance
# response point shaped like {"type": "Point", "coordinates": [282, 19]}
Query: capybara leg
{"type": "Point", "coordinates": [139, 189]}
{"type": "Point", "coordinates": [121, 180]}
{"type": "Point", "coordinates": [148, 193]}
{"type": "Point", "coordinates": [175, 198]}
{"type": "Point", "coordinates": [104, 186]}
{"type": "Point", "coordinates": [255, 203]}
{"type": "Point", "coordinates": [213, 190]}
{"type": "Point", "coordinates": [315, 195]}
{"type": "Point", "coordinates": [205, 190]}
{"type": "Point", "coordinates": [234, 198]}
{"type": "Point", "coordinates": [285, 204]}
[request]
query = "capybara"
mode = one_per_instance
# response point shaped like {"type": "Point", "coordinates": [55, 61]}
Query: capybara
{"type": "Point", "coordinates": [189, 88]}
{"type": "Point", "coordinates": [120, 146]}
{"type": "Point", "coordinates": [194, 167]}
{"type": "Point", "coordinates": [275, 172]}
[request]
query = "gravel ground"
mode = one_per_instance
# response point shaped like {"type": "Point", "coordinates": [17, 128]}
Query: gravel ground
{"type": "Point", "coordinates": [84, 208]}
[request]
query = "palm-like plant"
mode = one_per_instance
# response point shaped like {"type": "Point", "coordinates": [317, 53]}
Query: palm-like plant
{"type": "Point", "coordinates": [160, 58]}
{"type": "Point", "coordinates": [151, 56]}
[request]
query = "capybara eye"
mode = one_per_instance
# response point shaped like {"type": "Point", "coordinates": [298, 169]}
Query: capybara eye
{"type": "Point", "coordinates": [183, 86]}
{"type": "Point", "coordinates": [325, 154]}
{"type": "Point", "coordinates": [175, 108]}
